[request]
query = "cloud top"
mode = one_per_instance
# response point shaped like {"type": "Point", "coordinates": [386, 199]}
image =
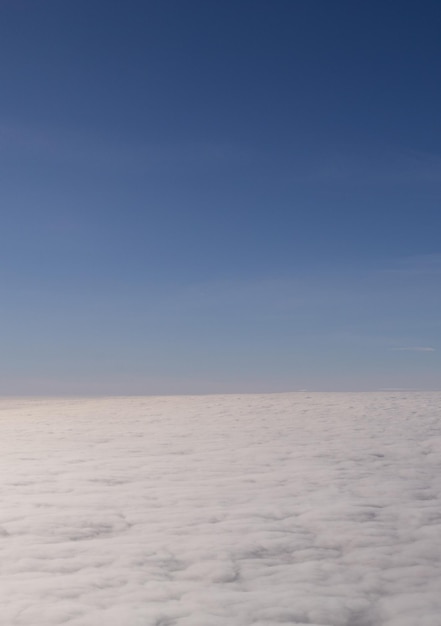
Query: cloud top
{"type": "Point", "coordinates": [245, 510]}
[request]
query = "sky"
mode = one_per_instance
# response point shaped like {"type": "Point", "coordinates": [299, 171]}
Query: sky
{"type": "Point", "coordinates": [204, 196]}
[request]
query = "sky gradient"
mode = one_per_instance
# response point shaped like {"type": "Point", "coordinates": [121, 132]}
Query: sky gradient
{"type": "Point", "coordinates": [208, 196]}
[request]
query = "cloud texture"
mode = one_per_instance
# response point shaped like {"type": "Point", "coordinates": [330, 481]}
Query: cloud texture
{"type": "Point", "coordinates": [318, 509]}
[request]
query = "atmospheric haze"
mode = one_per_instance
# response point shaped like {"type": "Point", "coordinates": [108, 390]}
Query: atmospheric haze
{"type": "Point", "coordinates": [239, 510]}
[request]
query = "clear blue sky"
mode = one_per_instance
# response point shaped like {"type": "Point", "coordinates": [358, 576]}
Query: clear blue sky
{"type": "Point", "coordinates": [204, 195]}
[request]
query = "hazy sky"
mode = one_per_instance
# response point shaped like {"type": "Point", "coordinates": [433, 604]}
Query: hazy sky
{"type": "Point", "coordinates": [204, 195]}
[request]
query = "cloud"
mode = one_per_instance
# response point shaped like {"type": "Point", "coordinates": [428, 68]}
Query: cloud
{"type": "Point", "coordinates": [414, 349]}
{"type": "Point", "coordinates": [416, 265]}
{"type": "Point", "coordinates": [381, 166]}
{"type": "Point", "coordinates": [247, 510]}
{"type": "Point", "coordinates": [115, 154]}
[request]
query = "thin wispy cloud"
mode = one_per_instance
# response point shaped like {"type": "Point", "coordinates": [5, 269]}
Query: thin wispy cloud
{"type": "Point", "coordinates": [414, 349]}
{"type": "Point", "coordinates": [373, 166]}
{"type": "Point", "coordinates": [111, 152]}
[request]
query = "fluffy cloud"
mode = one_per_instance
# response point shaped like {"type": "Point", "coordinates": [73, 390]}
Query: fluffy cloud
{"type": "Point", "coordinates": [318, 509]}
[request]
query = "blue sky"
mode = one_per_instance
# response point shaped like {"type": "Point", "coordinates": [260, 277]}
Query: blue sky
{"type": "Point", "coordinates": [209, 196]}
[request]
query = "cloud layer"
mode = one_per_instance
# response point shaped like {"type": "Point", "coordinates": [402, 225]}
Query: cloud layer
{"type": "Point", "coordinates": [319, 509]}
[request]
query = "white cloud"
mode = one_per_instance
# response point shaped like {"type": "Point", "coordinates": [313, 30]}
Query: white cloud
{"type": "Point", "coordinates": [252, 510]}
